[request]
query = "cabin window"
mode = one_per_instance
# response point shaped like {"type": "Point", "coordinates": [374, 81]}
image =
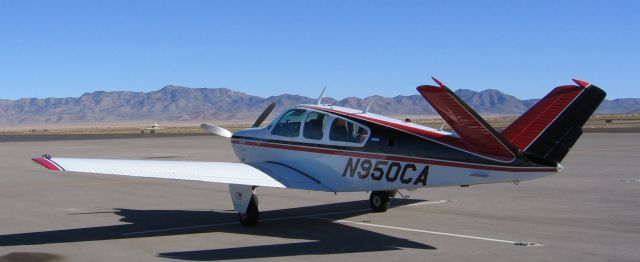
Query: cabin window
{"type": "Point", "coordinates": [289, 124]}
{"type": "Point", "coordinates": [347, 131]}
{"type": "Point", "coordinates": [313, 125]}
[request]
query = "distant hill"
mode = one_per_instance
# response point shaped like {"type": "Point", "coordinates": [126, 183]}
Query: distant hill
{"type": "Point", "coordinates": [183, 104]}
{"type": "Point", "coordinates": [621, 105]}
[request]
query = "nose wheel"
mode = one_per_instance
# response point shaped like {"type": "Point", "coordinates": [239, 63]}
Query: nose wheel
{"type": "Point", "coordinates": [379, 201]}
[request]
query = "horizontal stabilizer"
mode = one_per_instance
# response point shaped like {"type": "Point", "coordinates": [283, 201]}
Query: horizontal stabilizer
{"type": "Point", "coordinates": [551, 127]}
{"type": "Point", "coordinates": [474, 130]}
{"type": "Point", "coordinates": [527, 127]}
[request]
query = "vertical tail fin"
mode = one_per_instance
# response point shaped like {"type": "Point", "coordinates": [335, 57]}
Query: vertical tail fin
{"type": "Point", "coordinates": [552, 126]}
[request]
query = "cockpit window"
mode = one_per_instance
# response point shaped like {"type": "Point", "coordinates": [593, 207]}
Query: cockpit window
{"type": "Point", "coordinates": [347, 131]}
{"type": "Point", "coordinates": [313, 125]}
{"type": "Point", "coordinates": [289, 124]}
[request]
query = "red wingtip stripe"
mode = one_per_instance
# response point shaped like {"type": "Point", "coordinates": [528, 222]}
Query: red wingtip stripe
{"type": "Point", "coordinates": [581, 83]}
{"type": "Point", "coordinates": [438, 82]}
{"type": "Point", "coordinates": [46, 163]}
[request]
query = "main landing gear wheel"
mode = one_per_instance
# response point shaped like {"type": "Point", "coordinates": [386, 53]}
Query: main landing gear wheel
{"type": "Point", "coordinates": [251, 215]}
{"type": "Point", "coordinates": [379, 201]}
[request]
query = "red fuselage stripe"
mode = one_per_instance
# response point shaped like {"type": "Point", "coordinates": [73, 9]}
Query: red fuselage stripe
{"type": "Point", "coordinates": [389, 157]}
{"type": "Point", "coordinates": [433, 136]}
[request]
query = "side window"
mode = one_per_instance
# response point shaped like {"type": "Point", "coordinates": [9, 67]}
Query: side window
{"type": "Point", "coordinates": [289, 124]}
{"type": "Point", "coordinates": [346, 131]}
{"type": "Point", "coordinates": [313, 125]}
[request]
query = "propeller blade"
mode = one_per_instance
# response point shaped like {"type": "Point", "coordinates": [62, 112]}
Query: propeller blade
{"type": "Point", "coordinates": [264, 115]}
{"type": "Point", "coordinates": [216, 130]}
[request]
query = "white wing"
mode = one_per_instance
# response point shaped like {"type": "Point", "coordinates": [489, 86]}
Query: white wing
{"type": "Point", "coordinates": [266, 174]}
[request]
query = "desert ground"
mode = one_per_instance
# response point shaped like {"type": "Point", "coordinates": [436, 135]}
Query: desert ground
{"type": "Point", "coordinates": [587, 213]}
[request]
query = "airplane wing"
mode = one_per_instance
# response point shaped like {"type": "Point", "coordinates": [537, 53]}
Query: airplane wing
{"type": "Point", "coordinates": [267, 174]}
{"type": "Point", "coordinates": [474, 130]}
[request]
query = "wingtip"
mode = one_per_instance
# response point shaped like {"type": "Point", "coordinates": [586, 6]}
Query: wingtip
{"type": "Point", "coordinates": [47, 163]}
{"type": "Point", "coordinates": [581, 83]}
{"type": "Point", "coordinates": [438, 82]}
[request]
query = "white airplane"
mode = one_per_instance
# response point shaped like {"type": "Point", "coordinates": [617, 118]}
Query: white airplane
{"type": "Point", "coordinates": [336, 149]}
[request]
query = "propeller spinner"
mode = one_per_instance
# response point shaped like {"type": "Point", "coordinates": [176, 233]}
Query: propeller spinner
{"type": "Point", "coordinates": [216, 130]}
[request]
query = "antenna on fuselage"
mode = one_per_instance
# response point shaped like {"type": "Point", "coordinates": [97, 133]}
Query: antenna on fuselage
{"type": "Point", "coordinates": [368, 106]}
{"type": "Point", "coordinates": [319, 101]}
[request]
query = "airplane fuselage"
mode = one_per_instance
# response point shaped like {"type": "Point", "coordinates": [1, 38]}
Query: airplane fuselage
{"type": "Point", "coordinates": [393, 155]}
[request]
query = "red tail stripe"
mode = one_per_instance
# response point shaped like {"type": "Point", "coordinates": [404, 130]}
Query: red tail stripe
{"type": "Point", "coordinates": [438, 82]}
{"type": "Point", "coordinates": [581, 83]}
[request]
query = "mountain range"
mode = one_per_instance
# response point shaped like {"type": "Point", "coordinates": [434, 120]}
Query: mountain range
{"type": "Point", "coordinates": [182, 104]}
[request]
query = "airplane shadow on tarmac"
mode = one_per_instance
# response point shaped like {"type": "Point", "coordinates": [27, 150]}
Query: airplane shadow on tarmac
{"type": "Point", "coordinates": [320, 236]}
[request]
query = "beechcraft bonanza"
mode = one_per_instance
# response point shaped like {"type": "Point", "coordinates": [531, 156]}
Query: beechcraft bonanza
{"type": "Point", "coordinates": [335, 149]}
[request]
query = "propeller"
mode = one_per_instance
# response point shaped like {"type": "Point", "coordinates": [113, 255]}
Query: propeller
{"type": "Point", "coordinates": [216, 130]}
{"type": "Point", "coordinates": [264, 114]}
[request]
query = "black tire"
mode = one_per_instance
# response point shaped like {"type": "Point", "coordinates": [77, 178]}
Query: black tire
{"type": "Point", "coordinates": [379, 201]}
{"type": "Point", "coordinates": [250, 218]}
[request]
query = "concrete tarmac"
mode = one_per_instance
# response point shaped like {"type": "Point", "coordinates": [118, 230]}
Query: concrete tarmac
{"type": "Point", "coordinates": [590, 212]}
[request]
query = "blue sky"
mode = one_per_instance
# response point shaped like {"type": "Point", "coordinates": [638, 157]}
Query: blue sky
{"type": "Point", "coordinates": [355, 48]}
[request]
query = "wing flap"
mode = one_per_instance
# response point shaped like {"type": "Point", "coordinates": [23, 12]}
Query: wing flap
{"type": "Point", "coordinates": [474, 130]}
{"type": "Point", "coordinates": [217, 172]}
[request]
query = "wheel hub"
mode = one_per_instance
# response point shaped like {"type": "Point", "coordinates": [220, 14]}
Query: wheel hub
{"type": "Point", "coordinates": [376, 201]}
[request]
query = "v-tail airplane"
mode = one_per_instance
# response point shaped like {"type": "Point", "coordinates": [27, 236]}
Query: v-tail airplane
{"type": "Point", "coordinates": [334, 149]}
